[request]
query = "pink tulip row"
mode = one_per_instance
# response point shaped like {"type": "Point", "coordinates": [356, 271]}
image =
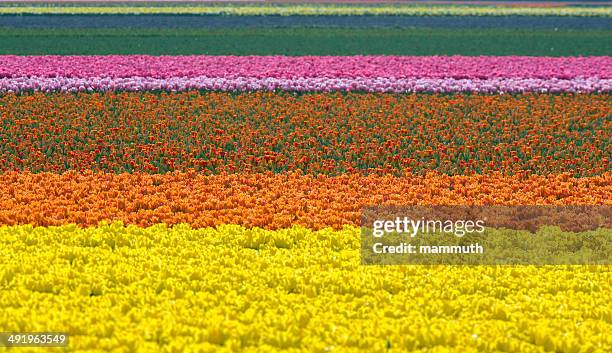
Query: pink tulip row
{"type": "Point", "coordinates": [321, 84]}
{"type": "Point", "coordinates": [284, 67]}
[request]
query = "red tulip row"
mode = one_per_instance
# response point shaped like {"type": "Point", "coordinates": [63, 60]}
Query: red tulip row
{"type": "Point", "coordinates": [316, 133]}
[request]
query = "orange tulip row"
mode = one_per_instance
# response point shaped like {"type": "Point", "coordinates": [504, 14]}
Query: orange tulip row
{"type": "Point", "coordinates": [268, 200]}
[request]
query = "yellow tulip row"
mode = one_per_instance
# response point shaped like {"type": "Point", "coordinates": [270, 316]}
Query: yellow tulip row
{"type": "Point", "coordinates": [177, 289]}
{"type": "Point", "coordinates": [316, 10]}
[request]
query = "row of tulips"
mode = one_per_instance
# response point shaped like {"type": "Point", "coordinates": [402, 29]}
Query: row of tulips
{"type": "Point", "coordinates": [287, 67]}
{"type": "Point", "coordinates": [261, 9]}
{"type": "Point", "coordinates": [329, 133]}
{"type": "Point", "coordinates": [269, 200]}
{"type": "Point", "coordinates": [385, 85]}
{"type": "Point", "coordinates": [161, 289]}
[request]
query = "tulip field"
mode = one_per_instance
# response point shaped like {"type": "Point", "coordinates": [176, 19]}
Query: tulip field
{"type": "Point", "coordinates": [189, 177]}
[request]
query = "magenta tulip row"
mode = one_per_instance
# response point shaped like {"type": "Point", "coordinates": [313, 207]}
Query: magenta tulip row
{"type": "Point", "coordinates": [283, 67]}
{"type": "Point", "coordinates": [492, 85]}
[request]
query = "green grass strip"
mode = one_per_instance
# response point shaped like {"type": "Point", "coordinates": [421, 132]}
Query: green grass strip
{"type": "Point", "coordinates": [305, 41]}
{"type": "Point", "coordinates": [316, 9]}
